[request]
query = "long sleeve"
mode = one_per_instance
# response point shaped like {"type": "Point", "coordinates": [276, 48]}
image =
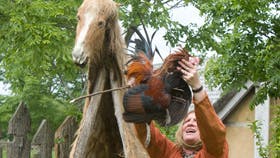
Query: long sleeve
{"type": "Point", "coordinates": [160, 146]}
{"type": "Point", "coordinates": [212, 130]}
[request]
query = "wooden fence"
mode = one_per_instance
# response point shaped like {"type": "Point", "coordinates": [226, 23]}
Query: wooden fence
{"type": "Point", "coordinates": [42, 143]}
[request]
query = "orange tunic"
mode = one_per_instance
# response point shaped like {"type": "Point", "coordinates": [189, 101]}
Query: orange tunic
{"type": "Point", "coordinates": [212, 134]}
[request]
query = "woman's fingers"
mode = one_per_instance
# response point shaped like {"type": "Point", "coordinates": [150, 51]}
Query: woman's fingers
{"type": "Point", "coordinates": [194, 60]}
{"type": "Point", "coordinates": [187, 66]}
{"type": "Point", "coordinates": [187, 76]}
{"type": "Point", "coordinates": [189, 72]}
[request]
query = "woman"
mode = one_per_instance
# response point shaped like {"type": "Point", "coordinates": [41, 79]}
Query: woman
{"type": "Point", "coordinates": [200, 135]}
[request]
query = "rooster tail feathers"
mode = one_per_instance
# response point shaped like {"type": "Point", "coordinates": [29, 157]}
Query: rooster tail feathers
{"type": "Point", "coordinates": [140, 68]}
{"type": "Point", "coordinates": [140, 108]}
{"type": "Point", "coordinates": [132, 99]}
{"type": "Point", "coordinates": [157, 91]}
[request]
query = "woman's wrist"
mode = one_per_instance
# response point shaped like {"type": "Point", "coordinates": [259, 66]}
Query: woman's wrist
{"type": "Point", "coordinates": [197, 90]}
{"type": "Point", "coordinates": [199, 96]}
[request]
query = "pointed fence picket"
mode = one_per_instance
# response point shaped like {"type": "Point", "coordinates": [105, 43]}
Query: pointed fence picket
{"type": "Point", "coordinates": [64, 137]}
{"type": "Point", "coordinates": [43, 141]}
{"type": "Point", "coordinates": [19, 127]}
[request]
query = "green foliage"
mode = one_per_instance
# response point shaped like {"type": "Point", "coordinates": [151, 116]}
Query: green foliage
{"type": "Point", "coordinates": [169, 132]}
{"type": "Point", "coordinates": [247, 44]}
{"type": "Point", "coordinates": [36, 39]}
{"type": "Point", "coordinates": [154, 14]}
{"type": "Point", "coordinates": [7, 107]}
{"type": "Point", "coordinates": [273, 148]}
{"type": "Point", "coordinates": [255, 127]}
{"type": "Point", "coordinates": [274, 145]}
{"type": "Point", "coordinates": [132, 12]}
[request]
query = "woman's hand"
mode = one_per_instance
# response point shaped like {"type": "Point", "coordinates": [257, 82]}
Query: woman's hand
{"type": "Point", "coordinates": [190, 72]}
{"type": "Point", "coordinates": [191, 76]}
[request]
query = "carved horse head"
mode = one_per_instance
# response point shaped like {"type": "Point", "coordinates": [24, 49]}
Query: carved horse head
{"type": "Point", "coordinates": [97, 31]}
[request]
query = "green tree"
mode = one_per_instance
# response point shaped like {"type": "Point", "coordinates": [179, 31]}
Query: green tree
{"type": "Point", "coordinates": [36, 38]}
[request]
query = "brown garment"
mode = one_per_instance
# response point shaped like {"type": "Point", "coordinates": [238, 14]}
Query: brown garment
{"type": "Point", "coordinates": [212, 134]}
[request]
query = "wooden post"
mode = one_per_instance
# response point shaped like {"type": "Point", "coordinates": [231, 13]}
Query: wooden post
{"type": "Point", "coordinates": [64, 137]}
{"type": "Point", "coordinates": [131, 144]}
{"type": "Point", "coordinates": [19, 127]}
{"type": "Point", "coordinates": [44, 139]}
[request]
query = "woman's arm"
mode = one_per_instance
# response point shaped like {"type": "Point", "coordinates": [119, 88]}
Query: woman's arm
{"type": "Point", "coordinates": [212, 130]}
{"type": "Point", "coordinates": [159, 146]}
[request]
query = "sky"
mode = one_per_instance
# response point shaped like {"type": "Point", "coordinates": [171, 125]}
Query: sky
{"type": "Point", "coordinates": [4, 89]}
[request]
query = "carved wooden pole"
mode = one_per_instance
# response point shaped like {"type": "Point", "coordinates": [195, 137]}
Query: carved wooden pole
{"type": "Point", "coordinates": [19, 127]}
{"type": "Point", "coordinates": [91, 127]}
{"type": "Point", "coordinates": [44, 139]}
{"type": "Point", "coordinates": [131, 144]}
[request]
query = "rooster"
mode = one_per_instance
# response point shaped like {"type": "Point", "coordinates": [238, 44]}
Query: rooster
{"type": "Point", "coordinates": [161, 95]}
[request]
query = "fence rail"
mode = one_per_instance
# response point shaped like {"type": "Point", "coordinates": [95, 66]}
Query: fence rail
{"type": "Point", "coordinates": [43, 141]}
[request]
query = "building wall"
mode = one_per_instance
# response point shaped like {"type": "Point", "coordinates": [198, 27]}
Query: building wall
{"type": "Point", "coordinates": [239, 135]}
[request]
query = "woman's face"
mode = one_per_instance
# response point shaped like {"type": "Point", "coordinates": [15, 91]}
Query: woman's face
{"type": "Point", "coordinates": [190, 130]}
